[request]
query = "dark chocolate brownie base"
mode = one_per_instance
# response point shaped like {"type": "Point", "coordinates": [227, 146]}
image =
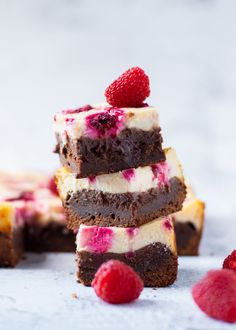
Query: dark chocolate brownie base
{"type": "Point", "coordinates": [123, 210]}
{"type": "Point", "coordinates": [51, 238]}
{"type": "Point", "coordinates": [155, 263]}
{"type": "Point", "coordinates": [130, 149]}
{"type": "Point", "coordinates": [187, 238]}
{"type": "Point", "coordinates": [11, 248]}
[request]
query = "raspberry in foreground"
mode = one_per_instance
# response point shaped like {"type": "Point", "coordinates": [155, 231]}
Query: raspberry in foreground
{"type": "Point", "coordinates": [215, 295]}
{"type": "Point", "coordinates": [129, 90]}
{"type": "Point", "coordinates": [230, 261]}
{"type": "Point", "coordinates": [117, 283]}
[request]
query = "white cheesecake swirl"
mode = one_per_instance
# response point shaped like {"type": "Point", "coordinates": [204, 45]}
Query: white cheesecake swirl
{"type": "Point", "coordinates": [96, 239]}
{"type": "Point", "coordinates": [74, 124]}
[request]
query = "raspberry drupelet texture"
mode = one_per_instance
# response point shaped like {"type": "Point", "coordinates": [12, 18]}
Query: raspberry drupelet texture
{"type": "Point", "coordinates": [117, 283]}
{"type": "Point", "coordinates": [230, 261]}
{"type": "Point", "coordinates": [215, 295]}
{"type": "Point", "coordinates": [129, 90]}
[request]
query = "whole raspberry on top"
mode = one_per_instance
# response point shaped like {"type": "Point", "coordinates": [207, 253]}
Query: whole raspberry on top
{"type": "Point", "coordinates": [129, 90]}
{"type": "Point", "coordinates": [215, 295]}
{"type": "Point", "coordinates": [230, 261]}
{"type": "Point", "coordinates": [117, 283]}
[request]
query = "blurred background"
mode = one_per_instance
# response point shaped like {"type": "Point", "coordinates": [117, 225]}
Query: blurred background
{"type": "Point", "coordinates": [60, 54]}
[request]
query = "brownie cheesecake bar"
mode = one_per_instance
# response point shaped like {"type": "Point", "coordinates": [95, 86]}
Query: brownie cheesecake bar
{"type": "Point", "coordinates": [189, 224]}
{"type": "Point", "coordinates": [149, 249]}
{"type": "Point", "coordinates": [11, 233]}
{"type": "Point", "coordinates": [100, 139]}
{"type": "Point", "coordinates": [128, 198]}
{"type": "Point", "coordinates": [31, 217]}
{"type": "Point", "coordinates": [45, 229]}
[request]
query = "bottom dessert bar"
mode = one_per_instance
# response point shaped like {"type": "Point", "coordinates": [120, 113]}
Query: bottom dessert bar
{"type": "Point", "coordinates": [150, 250]}
{"type": "Point", "coordinates": [188, 225]}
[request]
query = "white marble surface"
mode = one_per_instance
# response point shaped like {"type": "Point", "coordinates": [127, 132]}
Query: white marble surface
{"type": "Point", "coordinates": [60, 53]}
{"type": "Point", "coordinates": [38, 295]}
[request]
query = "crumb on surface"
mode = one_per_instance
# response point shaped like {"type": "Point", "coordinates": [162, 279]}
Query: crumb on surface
{"type": "Point", "coordinates": [74, 295]}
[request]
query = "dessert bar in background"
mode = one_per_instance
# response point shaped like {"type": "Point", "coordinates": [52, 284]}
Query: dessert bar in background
{"type": "Point", "coordinates": [149, 249]}
{"type": "Point", "coordinates": [189, 224]}
{"type": "Point", "coordinates": [128, 198]}
{"type": "Point", "coordinates": [11, 234]}
{"type": "Point", "coordinates": [31, 217]}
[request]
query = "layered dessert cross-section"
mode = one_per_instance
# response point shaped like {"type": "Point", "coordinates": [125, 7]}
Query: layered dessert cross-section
{"type": "Point", "coordinates": [100, 139]}
{"type": "Point", "coordinates": [31, 217]}
{"type": "Point", "coordinates": [127, 198]}
{"type": "Point", "coordinates": [45, 229]}
{"type": "Point", "coordinates": [11, 233]}
{"type": "Point", "coordinates": [149, 249]}
{"type": "Point", "coordinates": [189, 224]}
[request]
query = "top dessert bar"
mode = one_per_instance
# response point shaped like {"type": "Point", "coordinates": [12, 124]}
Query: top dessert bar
{"type": "Point", "coordinates": [101, 139]}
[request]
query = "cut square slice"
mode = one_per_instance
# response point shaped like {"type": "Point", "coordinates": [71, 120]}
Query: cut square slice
{"type": "Point", "coordinates": [100, 139]}
{"type": "Point", "coordinates": [127, 198]}
{"type": "Point", "coordinates": [149, 249]}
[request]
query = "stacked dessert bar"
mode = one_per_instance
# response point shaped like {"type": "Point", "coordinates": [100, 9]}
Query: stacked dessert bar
{"type": "Point", "coordinates": [31, 217]}
{"type": "Point", "coordinates": [119, 188]}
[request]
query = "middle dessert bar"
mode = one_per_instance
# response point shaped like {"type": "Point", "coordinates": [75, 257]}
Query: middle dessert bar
{"type": "Point", "coordinates": [127, 198]}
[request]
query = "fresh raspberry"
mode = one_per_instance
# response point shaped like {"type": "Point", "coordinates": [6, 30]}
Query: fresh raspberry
{"type": "Point", "coordinates": [117, 283]}
{"type": "Point", "coordinates": [52, 186]}
{"type": "Point", "coordinates": [129, 90]}
{"type": "Point", "coordinates": [215, 295]}
{"type": "Point", "coordinates": [230, 261]}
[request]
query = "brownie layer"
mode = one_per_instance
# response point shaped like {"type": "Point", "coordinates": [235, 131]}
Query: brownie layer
{"type": "Point", "coordinates": [123, 210]}
{"type": "Point", "coordinates": [53, 237]}
{"type": "Point", "coordinates": [155, 263]}
{"type": "Point", "coordinates": [11, 248]}
{"type": "Point", "coordinates": [131, 148]}
{"type": "Point", "coordinates": [187, 238]}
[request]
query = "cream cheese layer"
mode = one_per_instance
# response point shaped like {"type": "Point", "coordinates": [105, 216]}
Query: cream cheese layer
{"type": "Point", "coordinates": [78, 123]}
{"type": "Point", "coordinates": [97, 239]}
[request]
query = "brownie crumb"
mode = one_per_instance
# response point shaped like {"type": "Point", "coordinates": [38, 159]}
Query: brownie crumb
{"type": "Point", "coordinates": [74, 295]}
